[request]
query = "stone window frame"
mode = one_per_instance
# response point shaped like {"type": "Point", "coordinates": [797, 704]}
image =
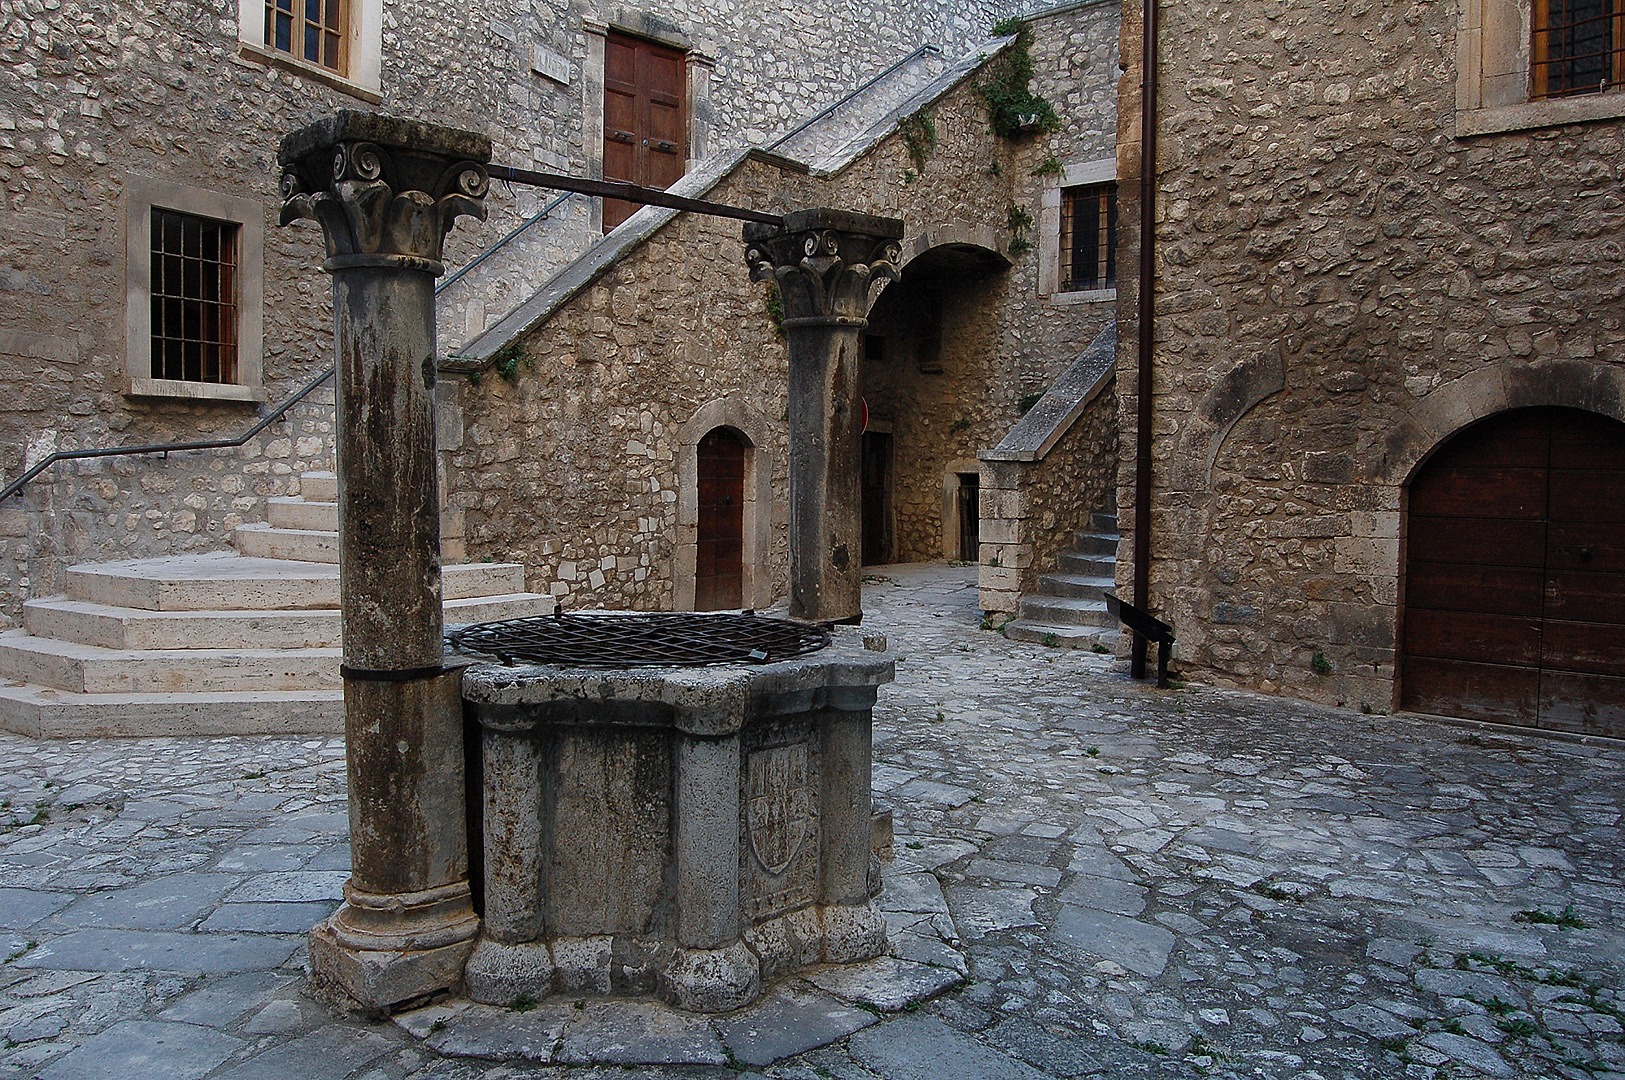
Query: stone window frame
{"type": "Point", "coordinates": [363, 49]}
{"type": "Point", "coordinates": [699, 65]}
{"type": "Point", "coordinates": [142, 195]}
{"type": "Point", "coordinates": [1493, 92]}
{"type": "Point", "coordinates": [1076, 173]}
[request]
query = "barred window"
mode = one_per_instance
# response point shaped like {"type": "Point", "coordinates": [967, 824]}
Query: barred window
{"type": "Point", "coordinates": [194, 298]}
{"type": "Point", "coordinates": [1088, 237]}
{"type": "Point", "coordinates": [1578, 47]}
{"type": "Point", "coordinates": [309, 30]}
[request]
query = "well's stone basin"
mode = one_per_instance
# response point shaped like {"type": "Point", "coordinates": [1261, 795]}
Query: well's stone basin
{"type": "Point", "coordinates": [692, 833]}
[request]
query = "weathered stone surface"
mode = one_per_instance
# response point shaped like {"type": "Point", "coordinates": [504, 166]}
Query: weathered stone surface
{"type": "Point", "coordinates": [329, 1051]}
{"type": "Point", "coordinates": [887, 984]}
{"type": "Point", "coordinates": [148, 1049]}
{"type": "Point", "coordinates": [496, 974]}
{"type": "Point", "coordinates": [924, 1048]}
{"type": "Point", "coordinates": [165, 903]}
{"type": "Point", "coordinates": [481, 1031]}
{"type": "Point", "coordinates": [986, 910]}
{"type": "Point", "coordinates": [151, 950]}
{"type": "Point", "coordinates": [632, 1033]}
{"type": "Point", "coordinates": [789, 1021]}
{"type": "Point", "coordinates": [1138, 946]}
{"type": "Point", "coordinates": [22, 908]}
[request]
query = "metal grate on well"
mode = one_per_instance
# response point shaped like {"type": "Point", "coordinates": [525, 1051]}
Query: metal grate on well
{"type": "Point", "coordinates": [641, 640]}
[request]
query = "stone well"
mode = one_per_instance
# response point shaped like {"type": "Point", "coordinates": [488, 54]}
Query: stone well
{"type": "Point", "coordinates": [687, 832]}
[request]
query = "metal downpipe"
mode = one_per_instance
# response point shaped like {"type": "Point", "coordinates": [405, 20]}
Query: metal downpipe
{"type": "Point", "coordinates": [1145, 319]}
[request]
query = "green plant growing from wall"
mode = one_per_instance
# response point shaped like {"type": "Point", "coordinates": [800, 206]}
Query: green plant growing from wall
{"type": "Point", "coordinates": [959, 425]}
{"type": "Point", "coordinates": [1320, 664]}
{"type": "Point", "coordinates": [919, 132]}
{"type": "Point", "coordinates": [1018, 220]}
{"type": "Point", "coordinates": [1025, 403]}
{"type": "Point", "coordinates": [506, 361]}
{"type": "Point", "coordinates": [1005, 87]}
{"type": "Point", "coordinates": [775, 311]}
{"type": "Point", "coordinates": [1050, 166]}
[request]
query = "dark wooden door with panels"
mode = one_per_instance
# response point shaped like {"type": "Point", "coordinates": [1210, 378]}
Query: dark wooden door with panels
{"type": "Point", "coordinates": [645, 117]}
{"type": "Point", "coordinates": [1515, 574]}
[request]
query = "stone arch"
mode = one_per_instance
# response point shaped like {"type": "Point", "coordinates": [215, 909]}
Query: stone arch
{"type": "Point", "coordinates": [1234, 395]}
{"type": "Point", "coordinates": [981, 243]}
{"type": "Point", "coordinates": [731, 412]}
{"type": "Point", "coordinates": [1575, 384]}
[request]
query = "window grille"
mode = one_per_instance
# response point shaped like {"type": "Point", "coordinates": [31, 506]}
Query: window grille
{"type": "Point", "coordinates": [1089, 237]}
{"type": "Point", "coordinates": [310, 30]}
{"type": "Point", "coordinates": [194, 298]}
{"type": "Point", "coordinates": [1578, 47]}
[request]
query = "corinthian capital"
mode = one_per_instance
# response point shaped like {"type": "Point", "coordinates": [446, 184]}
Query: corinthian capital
{"type": "Point", "coordinates": [385, 191]}
{"type": "Point", "coordinates": [829, 264]}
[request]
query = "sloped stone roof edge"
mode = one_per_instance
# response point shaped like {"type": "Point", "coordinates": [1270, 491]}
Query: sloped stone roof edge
{"type": "Point", "coordinates": [952, 76]}
{"type": "Point", "coordinates": [601, 257]}
{"type": "Point", "coordinates": [1036, 433]}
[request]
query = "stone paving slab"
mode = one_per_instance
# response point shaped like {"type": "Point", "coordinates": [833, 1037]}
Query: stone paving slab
{"type": "Point", "coordinates": [1331, 895]}
{"type": "Point", "coordinates": [148, 1049]}
{"type": "Point", "coordinates": [189, 954]}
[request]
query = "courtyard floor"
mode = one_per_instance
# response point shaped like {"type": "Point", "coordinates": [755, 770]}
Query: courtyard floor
{"type": "Point", "coordinates": [1138, 882]}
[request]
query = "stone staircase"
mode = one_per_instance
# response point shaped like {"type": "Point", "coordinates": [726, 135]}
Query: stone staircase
{"type": "Point", "coordinates": [241, 642]}
{"type": "Point", "coordinates": [1067, 608]}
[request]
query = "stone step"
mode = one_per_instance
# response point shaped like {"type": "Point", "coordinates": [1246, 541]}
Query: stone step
{"type": "Point", "coordinates": [1072, 562]}
{"type": "Point", "coordinates": [319, 486]}
{"type": "Point", "coordinates": [1065, 611]}
{"type": "Point", "coordinates": [1088, 543]}
{"type": "Point", "coordinates": [1068, 637]}
{"type": "Point", "coordinates": [42, 713]}
{"type": "Point", "coordinates": [302, 514]}
{"type": "Point", "coordinates": [91, 669]}
{"type": "Point", "coordinates": [203, 582]}
{"type": "Point", "coordinates": [90, 623]}
{"type": "Point", "coordinates": [1081, 586]}
{"type": "Point", "coordinates": [1105, 522]}
{"type": "Point", "coordinates": [295, 545]}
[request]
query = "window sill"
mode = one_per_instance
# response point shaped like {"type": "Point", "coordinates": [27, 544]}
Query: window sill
{"type": "Point", "coordinates": [197, 391]}
{"type": "Point", "coordinates": [1085, 296]}
{"type": "Point", "coordinates": [263, 57]}
{"type": "Point", "coordinates": [1548, 112]}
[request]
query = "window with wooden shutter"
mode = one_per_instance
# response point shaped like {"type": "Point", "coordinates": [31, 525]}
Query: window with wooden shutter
{"type": "Point", "coordinates": [645, 117]}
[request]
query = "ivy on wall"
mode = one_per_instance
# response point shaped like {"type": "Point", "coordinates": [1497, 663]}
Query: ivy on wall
{"type": "Point", "coordinates": [1006, 87]}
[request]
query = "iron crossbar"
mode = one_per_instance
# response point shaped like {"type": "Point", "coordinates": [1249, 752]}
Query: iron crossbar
{"type": "Point", "coordinates": [637, 639]}
{"type": "Point", "coordinates": [620, 189]}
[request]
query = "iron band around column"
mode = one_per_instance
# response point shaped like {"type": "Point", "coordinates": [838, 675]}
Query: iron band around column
{"type": "Point", "coordinates": [395, 675]}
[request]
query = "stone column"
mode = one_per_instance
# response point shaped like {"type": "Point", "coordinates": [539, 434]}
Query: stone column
{"type": "Point", "coordinates": [712, 970]}
{"type": "Point", "coordinates": [829, 266]}
{"type": "Point", "coordinates": [386, 192]}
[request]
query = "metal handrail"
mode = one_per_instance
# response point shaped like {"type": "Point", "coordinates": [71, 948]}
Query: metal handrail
{"type": "Point", "coordinates": [540, 215]}
{"type": "Point", "coordinates": [270, 418]}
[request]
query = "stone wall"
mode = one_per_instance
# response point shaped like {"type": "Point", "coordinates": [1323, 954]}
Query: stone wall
{"type": "Point", "coordinates": [572, 467]}
{"type": "Point", "coordinates": [1344, 279]}
{"type": "Point", "coordinates": [1031, 509]}
{"type": "Point", "coordinates": [94, 91]}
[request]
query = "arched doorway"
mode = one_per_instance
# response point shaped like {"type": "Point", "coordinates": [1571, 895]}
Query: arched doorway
{"type": "Point", "coordinates": [1515, 574]}
{"type": "Point", "coordinates": [720, 536]}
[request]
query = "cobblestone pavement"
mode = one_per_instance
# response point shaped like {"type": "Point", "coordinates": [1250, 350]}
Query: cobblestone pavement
{"type": "Point", "coordinates": [1145, 883]}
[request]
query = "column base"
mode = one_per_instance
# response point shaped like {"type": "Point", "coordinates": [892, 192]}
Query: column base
{"type": "Point", "coordinates": [499, 974]}
{"type": "Point", "coordinates": [374, 980]}
{"type": "Point", "coordinates": [852, 933]}
{"type": "Point", "coordinates": [712, 980]}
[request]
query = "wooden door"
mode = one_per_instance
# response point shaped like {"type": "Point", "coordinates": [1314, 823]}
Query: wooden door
{"type": "Point", "coordinates": [1515, 574]}
{"type": "Point", "coordinates": [645, 118]}
{"type": "Point", "coordinates": [970, 517]}
{"type": "Point", "coordinates": [719, 572]}
{"type": "Point", "coordinates": [876, 498]}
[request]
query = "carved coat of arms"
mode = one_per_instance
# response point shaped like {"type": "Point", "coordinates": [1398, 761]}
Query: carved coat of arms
{"type": "Point", "coordinates": [779, 809]}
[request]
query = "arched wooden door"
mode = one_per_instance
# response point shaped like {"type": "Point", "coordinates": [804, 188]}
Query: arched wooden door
{"type": "Point", "coordinates": [1515, 574]}
{"type": "Point", "coordinates": [719, 561]}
